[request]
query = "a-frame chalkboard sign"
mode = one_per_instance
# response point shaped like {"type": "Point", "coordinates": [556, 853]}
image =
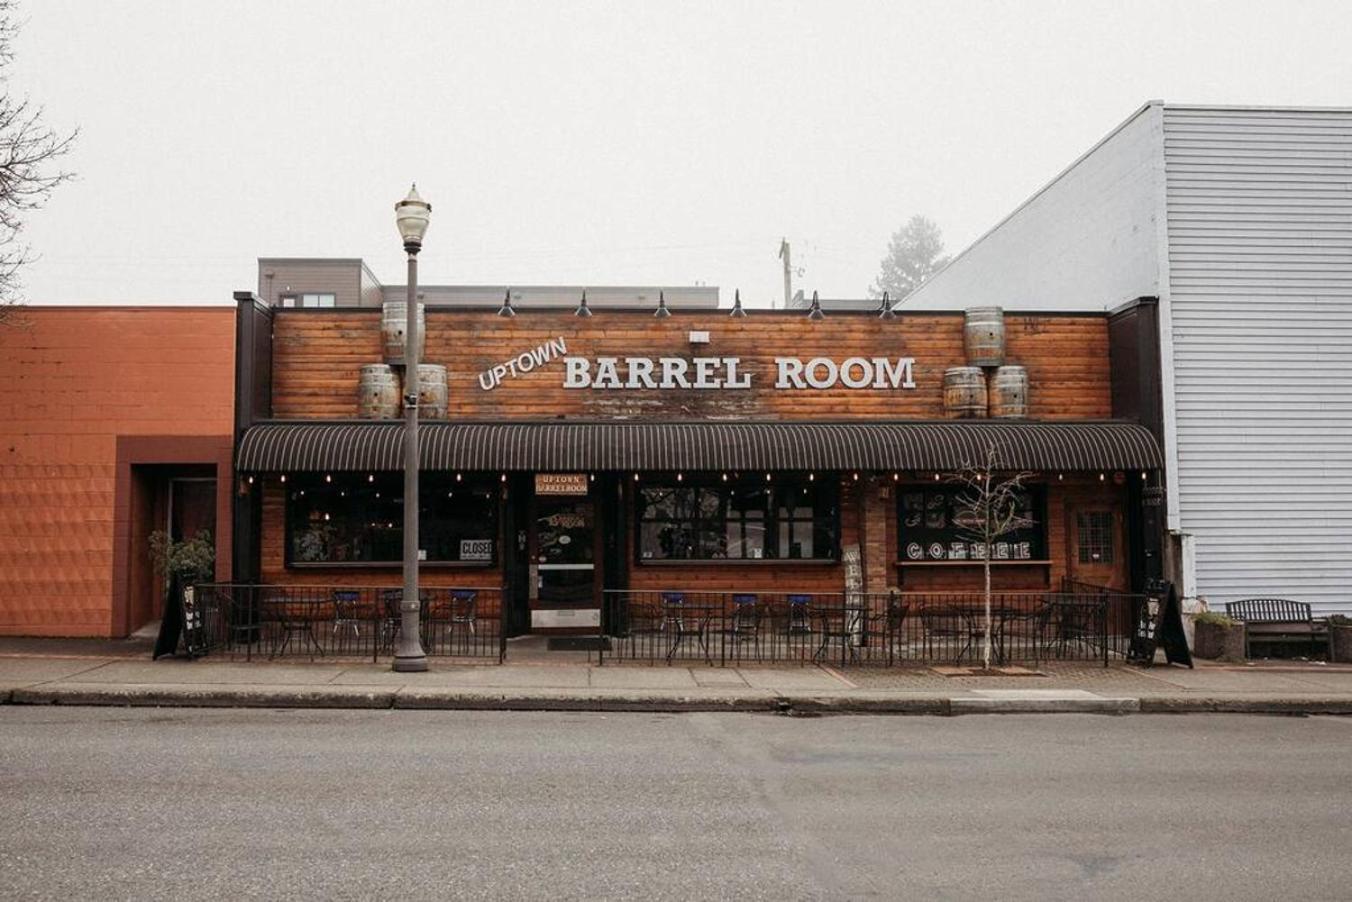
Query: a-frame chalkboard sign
{"type": "Point", "coordinates": [1159, 624]}
{"type": "Point", "coordinates": [183, 619]}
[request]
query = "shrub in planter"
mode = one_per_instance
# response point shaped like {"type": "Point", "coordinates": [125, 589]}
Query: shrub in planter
{"type": "Point", "coordinates": [1340, 639]}
{"type": "Point", "coordinates": [1216, 636]}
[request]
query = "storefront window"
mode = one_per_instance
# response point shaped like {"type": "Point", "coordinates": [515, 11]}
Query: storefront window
{"type": "Point", "coordinates": [930, 527]}
{"type": "Point", "coordinates": [730, 521]}
{"type": "Point", "coordinates": [359, 519]}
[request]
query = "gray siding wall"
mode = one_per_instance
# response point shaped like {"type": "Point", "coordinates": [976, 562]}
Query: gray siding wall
{"type": "Point", "coordinates": [1087, 241]}
{"type": "Point", "coordinates": [371, 293]}
{"type": "Point", "coordinates": [1260, 294]}
{"type": "Point", "coordinates": [340, 277]}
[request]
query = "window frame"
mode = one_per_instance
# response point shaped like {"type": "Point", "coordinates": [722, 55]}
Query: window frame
{"type": "Point", "coordinates": [1039, 553]}
{"type": "Point", "coordinates": [430, 484]}
{"type": "Point", "coordinates": [719, 526]}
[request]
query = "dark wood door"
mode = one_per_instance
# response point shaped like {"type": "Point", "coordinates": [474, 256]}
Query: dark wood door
{"type": "Point", "coordinates": [1096, 551]}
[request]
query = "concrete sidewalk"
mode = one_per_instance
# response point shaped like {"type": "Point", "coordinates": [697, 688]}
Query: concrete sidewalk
{"type": "Point", "coordinates": [58, 672]}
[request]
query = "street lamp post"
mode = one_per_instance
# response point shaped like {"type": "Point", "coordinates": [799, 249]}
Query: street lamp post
{"type": "Point", "coordinates": [412, 215]}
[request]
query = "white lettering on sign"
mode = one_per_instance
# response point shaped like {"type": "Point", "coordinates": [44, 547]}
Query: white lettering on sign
{"type": "Point", "coordinates": [476, 549]}
{"type": "Point", "coordinates": [522, 363]}
{"type": "Point", "coordinates": [726, 373]}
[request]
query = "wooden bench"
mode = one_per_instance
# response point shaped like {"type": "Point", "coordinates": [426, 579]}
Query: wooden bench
{"type": "Point", "coordinates": [1276, 620]}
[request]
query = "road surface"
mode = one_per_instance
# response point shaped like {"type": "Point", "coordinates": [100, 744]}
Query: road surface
{"type": "Point", "coordinates": [176, 804]}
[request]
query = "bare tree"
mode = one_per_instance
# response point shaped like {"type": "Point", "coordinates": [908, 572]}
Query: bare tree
{"type": "Point", "coordinates": [915, 252]}
{"type": "Point", "coordinates": [990, 507]}
{"type": "Point", "coordinates": [29, 150]}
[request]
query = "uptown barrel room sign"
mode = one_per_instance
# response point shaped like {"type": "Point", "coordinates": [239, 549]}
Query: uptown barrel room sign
{"type": "Point", "coordinates": [721, 373]}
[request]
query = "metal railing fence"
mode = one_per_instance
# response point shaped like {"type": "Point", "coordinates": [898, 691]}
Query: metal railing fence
{"type": "Point", "coordinates": [730, 628]}
{"type": "Point", "coordinates": [276, 621]}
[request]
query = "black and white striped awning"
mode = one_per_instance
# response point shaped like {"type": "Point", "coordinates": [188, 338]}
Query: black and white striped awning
{"type": "Point", "coordinates": [705, 445]}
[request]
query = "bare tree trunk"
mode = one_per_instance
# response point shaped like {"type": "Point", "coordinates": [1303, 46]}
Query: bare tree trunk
{"type": "Point", "coordinates": [986, 648]}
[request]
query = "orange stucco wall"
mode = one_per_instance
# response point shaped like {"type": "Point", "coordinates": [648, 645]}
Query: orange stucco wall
{"type": "Point", "coordinates": [75, 379]}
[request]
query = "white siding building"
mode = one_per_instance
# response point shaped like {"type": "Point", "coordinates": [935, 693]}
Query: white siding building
{"type": "Point", "coordinates": [1239, 220]}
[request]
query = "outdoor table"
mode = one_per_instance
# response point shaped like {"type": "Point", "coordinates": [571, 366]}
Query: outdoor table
{"type": "Point", "coordinates": [842, 623]}
{"type": "Point", "coordinates": [294, 616]}
{"type": "Point", "coordinates": [676, 614]}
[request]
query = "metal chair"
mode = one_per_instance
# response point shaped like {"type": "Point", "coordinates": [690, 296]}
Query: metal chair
{"type": "Point", "coordinates": [391, 617]}
{"type": "Point", "coordinates": [746, 619]}
{"type": "Point", "coordinates": [463, 608]}
{"type": "Point", "coordinates": [799, 608]}
{"type": "Point", "coordinates": [347, 612]}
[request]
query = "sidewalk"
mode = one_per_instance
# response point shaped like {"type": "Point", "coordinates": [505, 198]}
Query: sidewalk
{"type": "Point", "coordinates": [72, 672]}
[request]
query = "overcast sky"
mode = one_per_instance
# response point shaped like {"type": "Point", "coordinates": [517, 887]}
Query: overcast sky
{"type": "Point", "coordinates": [600, 143]}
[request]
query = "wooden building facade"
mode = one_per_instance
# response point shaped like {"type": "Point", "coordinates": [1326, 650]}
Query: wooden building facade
{"type": "Point", "coordinates": [696, 451]}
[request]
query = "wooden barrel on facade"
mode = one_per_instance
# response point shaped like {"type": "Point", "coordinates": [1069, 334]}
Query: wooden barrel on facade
{"type": "Point", "coordinates": [377, 392]}
{"type": "Point", "coordinates": [984, 336]}
{"type": "Point", "coordinates": [964, 392]}
{"type": "Point", "coordinates": [393, 323]}
{"type": "Point", "coordinates": [432, 393]}
{"type": "Point", "coordinates": [1009, 392]}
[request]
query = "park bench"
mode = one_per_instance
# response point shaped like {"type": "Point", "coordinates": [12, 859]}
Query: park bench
{"type": "Point", "coordinates": [1276, 620]}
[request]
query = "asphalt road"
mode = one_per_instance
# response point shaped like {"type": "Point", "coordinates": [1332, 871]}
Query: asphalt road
{"type": "Point", "coordinates": [123, 803]}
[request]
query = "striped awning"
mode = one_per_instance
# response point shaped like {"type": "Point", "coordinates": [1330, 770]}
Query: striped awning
{"type": "Point", "coordinates": [705, 445]}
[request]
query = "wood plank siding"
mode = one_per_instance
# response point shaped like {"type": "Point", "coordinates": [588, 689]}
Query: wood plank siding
{"type": "Point", "coordinates": [318, 354]}
{"type": "Point", "coordinates": [1260, 273]}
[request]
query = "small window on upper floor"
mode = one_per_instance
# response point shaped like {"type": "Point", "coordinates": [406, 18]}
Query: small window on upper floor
{"type": "Point", "coordinates": [317, 300]}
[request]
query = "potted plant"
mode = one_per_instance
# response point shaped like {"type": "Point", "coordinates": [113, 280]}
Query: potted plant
{"type": "Point", "coordinates": [1217, 636]}
{"type": "Point", "coordinates": [184, 563]}
{"type": "Point", "coordinates": [1340, 639]}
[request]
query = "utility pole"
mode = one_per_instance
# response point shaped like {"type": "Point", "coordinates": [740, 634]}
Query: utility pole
{"type": "Point", "coordinates": [788, 271]}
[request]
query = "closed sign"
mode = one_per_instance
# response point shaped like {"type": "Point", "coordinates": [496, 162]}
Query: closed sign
{"type": "Point", "coordinates": [476, 549]}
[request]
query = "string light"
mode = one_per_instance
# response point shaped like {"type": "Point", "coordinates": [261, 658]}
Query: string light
{"type": "Point", "coordinates": [1144, 477]}
{"type": "Point", "coordinates": [936, 477]}
{"type": "Point", "coordinates": [679, 477]}
{"type": "Point", "coordinates": [896, 477]}
{"type": "Point", "coordinates": [457, 477]}
{"type": "Point", "coordinates": [635, 477]}
{"type": "Point", "coordinates": [725, 477]}
{"type": "Point", "coordinates": [328, 477]}
{"type": "Point", "coordinates": [856, 477]}
{"type": "Point", "coordinates": [250, 480]}
{"type": "Point", "coordinates": [370, 477]}
{"type": "Point", "coordinates": [326, 518]}
{"type": "Point", "coordinates": [504, 478]}
{"type": "Point", "coordinates": [812, 477]}
{"type": "Point", "coordinates": [767, 477]}
{"type": "Point", "coordinates": [283, 479]}
{"type": "Point", "coordinates": [1060, 477]}
{"type": "Point", "coordinates": [1101, 477]}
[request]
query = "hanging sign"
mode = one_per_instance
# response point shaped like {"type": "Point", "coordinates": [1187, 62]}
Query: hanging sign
{"type": "Point", "coordinates": [562, 483]}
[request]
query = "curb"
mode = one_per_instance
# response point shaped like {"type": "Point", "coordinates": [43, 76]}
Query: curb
{"type": "Point", "coordinates": [1045, 706]}
{"type": "Point", "coordinates": [1212, 705]}
{"type": "Point", "coordinates": [330, 698]}
{"type": "Point", "coordinates": [154, 697]}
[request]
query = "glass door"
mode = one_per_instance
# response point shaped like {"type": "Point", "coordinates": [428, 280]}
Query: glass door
{"type": "Point", "coordinates": [565, 550]}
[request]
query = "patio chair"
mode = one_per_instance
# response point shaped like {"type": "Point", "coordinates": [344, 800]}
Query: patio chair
{"type": "Point", "coordinates": [799, 608]}
{"type": "Point", "coordinates": [746, 620]}
{"type": "Point", "coordinates": [347, 617]}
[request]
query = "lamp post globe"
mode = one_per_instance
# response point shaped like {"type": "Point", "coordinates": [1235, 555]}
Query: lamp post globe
{"type": "Point", "coordinates": [411, 215]}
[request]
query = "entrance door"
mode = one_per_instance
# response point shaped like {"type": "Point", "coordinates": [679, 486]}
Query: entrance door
{"type": "Point", "coordinates": [564, 572]}
{"type": "Point", "coordinates": [1096, 547]}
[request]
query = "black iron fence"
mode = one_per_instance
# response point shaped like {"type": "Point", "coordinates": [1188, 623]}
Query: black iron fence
{"type": "Point", "coordinates": [879, 629]}
{"type": "Point", "coordinates": [344, 621]}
